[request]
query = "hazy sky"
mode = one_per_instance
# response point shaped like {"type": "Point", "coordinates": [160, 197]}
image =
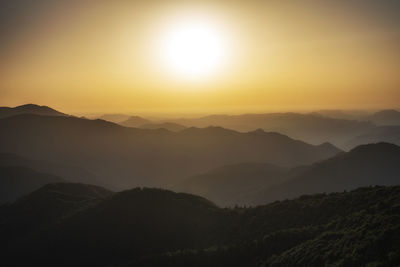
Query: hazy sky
{"type": "Point", "coordinates": [103, 56]}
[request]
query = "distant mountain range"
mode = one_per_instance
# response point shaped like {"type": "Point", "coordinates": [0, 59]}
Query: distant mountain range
{"type": "Point", "coordinates": [71, 173]}
{"type": "Point", "coordinates": [116, 118]}
{"type": "Point", "coordinates": [311, 128]}
{"type": "Point", "coordinates": [130, 157]}
{"type": "Point", "coordinates": [255, 184]}
{"type": "Point", "coordinates": [139, 122]}
{"type": "Point", "coordinates": [335, 126]}
{"type": "Point", "coordinates": [233, 184]}
{"type": "Point", "coordinates": [390, 134]}
{"type": "Point", "coordinates": [135, 121]}
{"type": "Point", "coordinates": [29, 109]}
{"type": "Point", "coordinates": [19, 175]}
{"type": "Point", "coordinates": [170, 126]}
{"type": "Point", "coordinates": [85, 225]}
{"type": "Point", "coordinates": [252, 183]}
{"type": "Point", "coordinates": [386, 117]}
{"type": "Point", "coordinates": [366, 165]}
{"type": "Point", "coordinates": [16, 181]}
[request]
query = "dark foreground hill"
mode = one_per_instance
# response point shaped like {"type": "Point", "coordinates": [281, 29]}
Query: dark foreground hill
{"type": "Point", "coordinates": [44, 208]}
{"type": "Point", "coordinates": [126, 157]}
{"type": "Point", "coordinates": [359, 228]}
{"type": "Point", "coordinates": [29, 109]}
{"type": "Point", "coordinates": [79, 224]}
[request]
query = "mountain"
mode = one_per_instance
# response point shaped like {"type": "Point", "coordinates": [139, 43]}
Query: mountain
{"type": "Point", "coordinates": [389, 134]}
{"type": "Point", "coordinates": [125, 157]}
{"type": "Point", "coordinates": [134, 121]}
{"type": "Point", "coordinates": [116, 118]}
{"type": "Point", "coordinates": [29, 109]}
{"type": "Point", "coordinates": [117, 227]}
{"type": "Point", "coordinates": [386, 117]}
{"type": "Point", "coordinates": [170, 126]}
{"type": "Point", "coordinates": [54, 201]}
{"type": "Point", "coordinates": [258, 183]}
{"type": "Point", "coordinates": [81, 225]}
{"type": "Point", "coordinates": [71, 173]}
{"type": "Point", "coordinates": [17, 181]}
{"type": "Point", "coordinates": [233, 184]}
{"type": "Point", "coordinates": [366, 165]}
{"type": "Point", "coordinates": [359, 228]}
{"type": "Point", "coordinates": [45, 206]}
{"type": "Point", "coordinates": [311, 128]}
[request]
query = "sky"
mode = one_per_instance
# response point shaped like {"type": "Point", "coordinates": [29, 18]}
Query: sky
{"type": "Point", "coordinates": [116, 56]}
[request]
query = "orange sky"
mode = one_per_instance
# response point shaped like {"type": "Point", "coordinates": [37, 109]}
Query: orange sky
{"type": "Point", "coordinates": [98, 56]}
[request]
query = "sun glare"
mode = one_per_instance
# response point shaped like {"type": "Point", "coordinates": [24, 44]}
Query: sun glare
{"type": "Point", "coordinates": [193, 48]}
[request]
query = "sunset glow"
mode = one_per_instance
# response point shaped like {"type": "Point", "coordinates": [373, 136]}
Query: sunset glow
{"type": "Point", "coordinates": [193, 48]}
{"type": "Point", "coordinates": [202, 57]}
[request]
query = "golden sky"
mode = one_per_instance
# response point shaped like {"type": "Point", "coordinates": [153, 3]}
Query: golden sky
{"type": "Point", "coordinates": [102, 56]}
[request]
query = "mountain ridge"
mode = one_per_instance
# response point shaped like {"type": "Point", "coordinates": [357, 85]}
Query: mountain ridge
{"type": "Point", "coordinates": [365, 165]}
{"type": "Point", "coordinates": [154, 227]}
{"type": "Point", "coordinates": [142, 156]}
{"type": "Point", "coordinates": [29, 109]}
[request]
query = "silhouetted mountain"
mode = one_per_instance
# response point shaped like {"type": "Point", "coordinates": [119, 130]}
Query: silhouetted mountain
{"type": "Point", "coordinates": [70, 173]}
{"type": "Point", "coordinates": [153, 227]}
{"type": "Point", "coordinates": [366, 165]}
{"type": "Point", "coordinates": [311, 128]}
{"type": "Point", "coordinates": [360, 228]}
{"type": "Point", "coordinates": [116, 118]}
{"type": "Point", "coordinates": [134, 121]}
{"type": "Point", "coordinates": [44, 207]}
{"type": "Point", "coordinates": [386, 117]}
{"type": "Point", "coordinates": [129, 157]}
{"type": "Point", "coordinates": [16, 181]}
{"type": "Point", "coordinates": [389, 134]}
{"type": "Point", "coordinates": [56, 200]}
{"type": "Point", "coordinates": [124, 226]}
{"type": "Point", "coordinates": [29, 109]}
{"type": "Point", "coordinates": [170, 126]}
{"type": "Point", "coordinates": [233, 184]}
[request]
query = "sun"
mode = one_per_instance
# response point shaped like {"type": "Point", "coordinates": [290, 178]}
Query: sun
{"type": "Point", "coordinates": [193, 48]}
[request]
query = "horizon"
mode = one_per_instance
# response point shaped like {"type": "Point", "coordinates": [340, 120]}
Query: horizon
{"type": "Point", "coordinates": [159, 115]}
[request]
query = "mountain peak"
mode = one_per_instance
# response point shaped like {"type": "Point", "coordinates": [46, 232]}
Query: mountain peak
{"type": "Point", "coordinates": [135, 121]}
{"type": "Point", "coordinates": [29, 109]}
{"type": "Point", "coordinates": [29, 106]}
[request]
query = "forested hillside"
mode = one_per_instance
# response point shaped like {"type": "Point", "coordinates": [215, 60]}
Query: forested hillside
{"type": "Point", "coordinates": [85, 225]}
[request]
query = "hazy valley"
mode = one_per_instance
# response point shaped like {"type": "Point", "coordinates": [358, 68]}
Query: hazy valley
{"type": "Point", "coordinates": [62, 176]}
